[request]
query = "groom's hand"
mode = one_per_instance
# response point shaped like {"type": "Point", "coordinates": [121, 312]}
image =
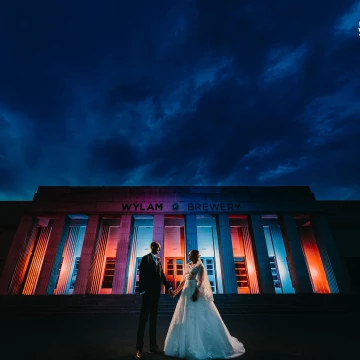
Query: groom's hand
{"type": "Point", "coordinates": [172, 293]}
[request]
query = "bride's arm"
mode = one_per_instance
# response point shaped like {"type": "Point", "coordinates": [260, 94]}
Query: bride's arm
{"type": "Point", "coordinates": [178, 289]}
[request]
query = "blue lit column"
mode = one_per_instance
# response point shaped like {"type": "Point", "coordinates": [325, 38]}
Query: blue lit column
{"type": "Point", "coordinates": [297, 263]}
{"type": "Point", "coordinates": [227, 255]}
{"type": "Point", "coordinates": [261, 255]}
{"type": "Point", "coordinates": [190, 234]}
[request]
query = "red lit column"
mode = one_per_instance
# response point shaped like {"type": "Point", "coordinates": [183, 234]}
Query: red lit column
{"type": "Point", "coordinates": [37, 261]}
{"type": "Point", "coordinates": [11, 271]}
{"type": "Point", "coordinates": [98, 261]}
{"type": "Point", "coordinates": [48, 274]}
{"type": "Point", "coordinates": [261, 254]}
{"type": "Point", "coordinates": [91, 234]}
{"type": "Point", "coordinates": [122, 255]}
{"type": "Point", "coordinates": [250, 261]}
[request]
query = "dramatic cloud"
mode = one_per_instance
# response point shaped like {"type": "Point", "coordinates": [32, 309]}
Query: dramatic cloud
{"type": "Point", "coordinates": [180, 93]}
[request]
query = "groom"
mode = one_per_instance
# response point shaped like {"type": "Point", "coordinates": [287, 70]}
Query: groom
{"type": "Point", "coordinates": [151, 276]}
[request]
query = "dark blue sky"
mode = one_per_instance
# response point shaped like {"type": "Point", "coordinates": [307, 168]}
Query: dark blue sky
{"type": "Point", "coordinates": [180, 93]}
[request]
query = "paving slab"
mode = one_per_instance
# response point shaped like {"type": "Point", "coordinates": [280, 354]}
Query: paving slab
{"type": "Point", "coordinates": [111, 337]}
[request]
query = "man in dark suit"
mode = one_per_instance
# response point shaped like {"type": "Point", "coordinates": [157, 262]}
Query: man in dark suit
{"type": "Point", "coordinates": [151, 276]}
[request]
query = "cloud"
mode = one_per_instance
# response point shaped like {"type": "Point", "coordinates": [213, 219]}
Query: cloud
{"type": "Point", "coordinates": [197, 93]}
{"type": "Point", "coordinates": [348, 24]}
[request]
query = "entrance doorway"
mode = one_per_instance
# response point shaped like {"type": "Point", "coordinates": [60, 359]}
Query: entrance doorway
{"type": "Point", "coordinates": [174, 270]}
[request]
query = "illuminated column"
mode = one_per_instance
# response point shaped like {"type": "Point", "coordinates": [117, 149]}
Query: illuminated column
{"type": "Point", "coordinates": [11, 277]}
{"type": "Point", "coordinates": [334, 270]}
{"type": "Point", "coordinates": [98, 261]}
{"type": "Point", "coordinates": [122, 255]}
{"type": "Point", "coordinates": [190, 234]}
{"type": "Point", "coordinates": [86, 254]}
{"type": "Point", "coordinates": [131, 261]}
{"type": "Point", "coordinates": [37, 261]}
{"type": "Point", "coordinates": [158, 233]}
{"type": "Point", "coordinates": [49, 270]}
{"type": "Point", "coordinates": [263, 265]}
{"type": "Point", "coordinates": [68, 261]}
{"type": "Point", "coordinates": [250, 261]}
{"type": "Point", "coordinates": [297, 263]}
{"type": "Point", "coordinates": [281, 258]}
{"type": "Point", "coordinates": [227, 255]}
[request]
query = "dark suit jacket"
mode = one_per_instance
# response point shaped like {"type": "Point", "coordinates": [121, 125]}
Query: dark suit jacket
{"type": "Point", "coordinates": [151, 276]}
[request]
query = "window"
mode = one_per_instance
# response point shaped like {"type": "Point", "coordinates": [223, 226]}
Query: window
{"type": "Point", "coordinates": [108, 273]}
{"type": "Point", "coordinates": [75, 271]}
{"type": "Point", "coordinates": [275, 273]}
{"type": "Point", "coordinates": [241, 273]}
{"type": "Point", "coordinates": [58, 275]}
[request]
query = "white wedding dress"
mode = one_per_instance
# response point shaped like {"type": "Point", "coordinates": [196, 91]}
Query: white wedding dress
{"type": "Point", "coordinates": [196, 330]}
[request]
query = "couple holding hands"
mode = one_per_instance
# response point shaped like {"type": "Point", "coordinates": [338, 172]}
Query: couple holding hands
{"type": "Point", "coordinates": [196, 330]}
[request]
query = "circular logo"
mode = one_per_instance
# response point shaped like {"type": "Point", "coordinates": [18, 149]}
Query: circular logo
{"type": "Point", "coordinates": [175, 206]}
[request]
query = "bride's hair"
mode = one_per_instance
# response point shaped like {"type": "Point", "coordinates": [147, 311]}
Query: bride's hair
{"type": "Point", "coordinates": [195, 253]}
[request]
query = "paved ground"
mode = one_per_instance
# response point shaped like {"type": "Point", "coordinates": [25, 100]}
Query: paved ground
{"type": "Point", "coordinates": [110, 337]}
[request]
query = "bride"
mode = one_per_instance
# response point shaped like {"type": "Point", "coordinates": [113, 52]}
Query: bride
{"type": "Point", "coordinates": [196, 330]}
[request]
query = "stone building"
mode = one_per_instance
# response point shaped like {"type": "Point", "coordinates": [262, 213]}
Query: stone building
{"type": "Point", "coordinates": [252, 240]}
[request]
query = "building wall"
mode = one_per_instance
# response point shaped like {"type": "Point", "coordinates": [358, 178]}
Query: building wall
{"type": "Point", "coordinates": [342, 216]}
{"type": "Point", "coordinates": [344, 221]}
{"type": "Point", "coordinates": [10, 214]}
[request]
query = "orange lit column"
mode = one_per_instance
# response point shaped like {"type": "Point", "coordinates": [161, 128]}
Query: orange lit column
{"type": "Point", "coordinates": [86, 254]}
{"type": "Point", "coordinates": [49, 270]}
{"type": "Point", "coordinates": [190, 234]}
{"type": "Point", "coordinates": [11, 271]}
{"type": "Point", "coordinates": [250, 261]}
{"type": "Point", "coordinates": [227, 255]}
{"type": "Point", "coordinates": [261, 254]}
{"type": "Point", "coordinates": [297, 264]}
{"type": "Point", "coordinates": [334, 270]}
{"type": "Point", "coordinates": [158, 233]}
{"type": "Point", "coordinates": [37, 261]}
{"type": "Point", "coordinates": [122, 255]}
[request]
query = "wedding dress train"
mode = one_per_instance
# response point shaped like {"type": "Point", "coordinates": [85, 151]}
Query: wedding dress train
{"type": "Point", "coordinates": [196, 330]}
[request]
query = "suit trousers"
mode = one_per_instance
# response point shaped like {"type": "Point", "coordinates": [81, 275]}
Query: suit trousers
{"type": "Point", "coordinates": [149, 305]}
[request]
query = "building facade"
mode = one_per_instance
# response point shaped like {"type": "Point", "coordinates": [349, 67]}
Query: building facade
{"type": "Point", "coordinates": [252, 240]}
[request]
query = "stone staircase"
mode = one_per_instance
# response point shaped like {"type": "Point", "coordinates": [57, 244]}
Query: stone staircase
{"type": "Point", "coordinates": [226, 304]}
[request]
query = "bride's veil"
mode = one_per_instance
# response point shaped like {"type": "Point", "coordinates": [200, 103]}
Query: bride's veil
{"type": "Point", "coordinates": [204, 283]}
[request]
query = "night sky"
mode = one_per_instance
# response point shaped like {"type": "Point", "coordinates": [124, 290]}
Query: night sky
{"type": "Point", "coordinates": [111, 93]}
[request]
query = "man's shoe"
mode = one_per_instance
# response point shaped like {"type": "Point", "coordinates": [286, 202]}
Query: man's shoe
{"type": "Point", "coordinates": [138, 354]}
{"type": "Point", "coordinates": [156, 350]}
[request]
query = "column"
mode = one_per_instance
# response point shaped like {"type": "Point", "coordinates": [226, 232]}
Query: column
{"type": "Point", "coordinates": [86, 254]}
{"type": "Point", "coordinates": [190, 234]}
{"type": "Point", "coordinates": [122, 255]}
{"type": "Point", "coordinates": [97, 264]}
{"type": "Point", "coordinates": [250, 261]}
{"type": "Point", "coordinates": [37, 261]}
{"type": "Point", "coordinates": [297, 264]}
{"type": "Point", "coordinates": [54, 251]}
{"type": "Point", "coordinates": [261, 254]}
{"type": "Point", "coordinates": [158, 233]}
{"type": "Point", "coordinates": [335, 273]}
{"type": "Point", "coordinates": [68, 261]}
{"type": "Point", "coordinates": [22, 236]}
{"type": "Point", "coordinates": [227, 255]}
{"type": "Point", "coordinates": [281, 259]}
